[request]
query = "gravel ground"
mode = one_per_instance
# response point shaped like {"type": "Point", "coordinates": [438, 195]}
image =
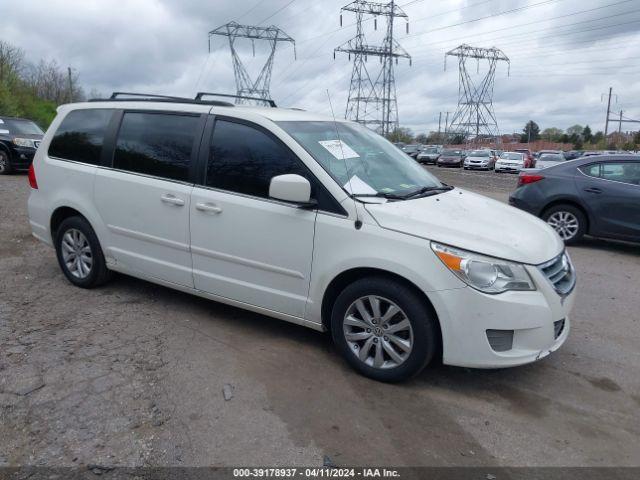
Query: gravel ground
{"type": "Point", "coordinates": [139, 375]}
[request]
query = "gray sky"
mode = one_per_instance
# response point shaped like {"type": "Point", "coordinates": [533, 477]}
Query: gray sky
{"type": "Point", "coordinates": [564, 53]}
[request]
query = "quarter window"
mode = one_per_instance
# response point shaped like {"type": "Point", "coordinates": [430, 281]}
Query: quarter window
{"type": "Point", "coordinates": [244, 159]}
{"type": "Point", "coordinates": [591, 170]}
{"type": "Point", "coordinates": [81, 135]}
{"type": "Point", "coordinates": [625, 172]}
{"type": "Point", "coordinates": [156, 144]}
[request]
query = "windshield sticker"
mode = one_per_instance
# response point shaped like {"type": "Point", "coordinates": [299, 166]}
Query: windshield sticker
{"type": "Point", "coordinates": [4, 131]}
{"type": "Point", "coordinates": [339, 149]}
{"type": "Point", "coordinates": [356, 186]}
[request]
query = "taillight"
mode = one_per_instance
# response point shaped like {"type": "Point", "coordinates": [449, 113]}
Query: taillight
{"type": "Point", "coordinates": [527, 178]}
{"type": "Point", "coordinates": [32, 178]}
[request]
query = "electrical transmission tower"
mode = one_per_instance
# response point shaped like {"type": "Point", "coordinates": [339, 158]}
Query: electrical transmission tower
{"type": "Point", "coordinates": [474, 114]}
{"type": "Point", "coordinates": [244, 85]}
{"type": "Point", "coordinates": [371, 102]}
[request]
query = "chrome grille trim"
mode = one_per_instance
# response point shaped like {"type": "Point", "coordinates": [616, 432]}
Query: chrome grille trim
{"type": "Point", "coordinates": [560, 273]}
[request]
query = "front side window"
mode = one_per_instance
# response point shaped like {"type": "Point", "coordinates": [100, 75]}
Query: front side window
{"type": "Point", "coordinates": [157, 144]}
{"type": "Point", "coordinates": [81, 135]}
{"type": "Point", "coordinates": [244, 159]}
{"type": "Point", "coordinates": [361, 161]}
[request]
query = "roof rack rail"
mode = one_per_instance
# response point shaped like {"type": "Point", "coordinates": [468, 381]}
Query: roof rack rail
{"type": "Point", "coordinates": [148, 97]}
{"type": "Point", "coordinates": [267, 101]}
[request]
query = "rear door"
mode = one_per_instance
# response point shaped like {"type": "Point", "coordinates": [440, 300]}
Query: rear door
{"type": "Point", "coordinates": [143, 197]}
{"type": "Point", "coordinates": [246, 246]}
{"type": "Point", "coordinates": [611, 190]}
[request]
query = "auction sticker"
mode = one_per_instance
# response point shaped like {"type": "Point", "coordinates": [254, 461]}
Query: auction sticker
{"type": "Point", "coordinates": [339, 149]}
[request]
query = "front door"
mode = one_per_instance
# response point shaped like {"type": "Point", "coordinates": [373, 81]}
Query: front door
{"type": "Point", "coordinates": [246, 246]}
{"type": "Point", "coordinates": [612, 191]}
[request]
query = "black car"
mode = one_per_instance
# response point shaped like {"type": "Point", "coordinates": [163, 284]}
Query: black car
{"type": "Point", "coordinates": [19, 139]}
{"type": "Point", "coordinates": [597, 196]}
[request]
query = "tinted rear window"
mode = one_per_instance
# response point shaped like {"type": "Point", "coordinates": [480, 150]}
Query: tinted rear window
{"type": "Point", "coordinates": [80, 136]}
{"type": "Point", "coordinates": [156, 144]}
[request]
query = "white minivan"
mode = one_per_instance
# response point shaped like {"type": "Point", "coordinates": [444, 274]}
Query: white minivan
{"type": "Point", "coordinates": [304, 218]}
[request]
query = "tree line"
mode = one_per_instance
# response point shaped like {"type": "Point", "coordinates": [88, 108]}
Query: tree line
{"type": "Point", "coordinates": [34, 90]}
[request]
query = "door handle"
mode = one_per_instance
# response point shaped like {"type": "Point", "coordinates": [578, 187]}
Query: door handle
{"type": "Point", "coordinates": [208, 207]}
{"type": "Point", "coordinates": [593, 190]}
{"type": "Point", "coordinates": [172, 199]}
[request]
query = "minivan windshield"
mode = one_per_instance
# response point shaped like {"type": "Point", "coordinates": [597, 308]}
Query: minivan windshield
{"type": "Point", "coordinates": [23, 127]}
{"type": "Point", "coordinates": [360, 160]}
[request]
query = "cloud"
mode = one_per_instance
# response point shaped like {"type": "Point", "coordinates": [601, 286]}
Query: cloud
{"type": "Point", "coordinates": [563, 54]}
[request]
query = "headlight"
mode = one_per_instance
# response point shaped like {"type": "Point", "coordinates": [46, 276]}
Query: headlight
{"type": "Point", "coordinates": [487, 274]}
{"type": "Point", "coordinates": [24, 142]}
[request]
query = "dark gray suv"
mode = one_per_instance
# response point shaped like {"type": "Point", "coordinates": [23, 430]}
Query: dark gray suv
{"type": "Point", "coordinates": [598, 195]}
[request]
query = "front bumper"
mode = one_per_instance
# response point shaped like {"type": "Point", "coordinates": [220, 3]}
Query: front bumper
{"type": "Point", "coordinates": [466, 314]}
{"type": "Point", "coordinates": [479, 166]}
{"type": "Point", "coordinates": [507, 168]}
{"type": "Point", "coordinates": [21, 157]}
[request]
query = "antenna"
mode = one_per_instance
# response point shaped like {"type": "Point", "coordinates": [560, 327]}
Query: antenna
{"type": "Point", "coordinates": [358, 223]}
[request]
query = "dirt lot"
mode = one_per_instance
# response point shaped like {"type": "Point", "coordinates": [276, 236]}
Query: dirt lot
{"type": "Point", "coordinates": [133, 374]}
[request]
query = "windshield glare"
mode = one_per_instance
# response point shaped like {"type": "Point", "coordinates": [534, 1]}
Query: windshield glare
{"type": "Point", "coordinates": [360, 160]}
{"type": "Point", "coordinates": [511, 156]}
{"type": "Point", "coordinates": [453, 153]}
{"type": "Point", "coordinates": [479, 153]}
{"type": "Point", "coordinates": [551, 157]}
{"type": "Point", "coordinates": [24, 127]}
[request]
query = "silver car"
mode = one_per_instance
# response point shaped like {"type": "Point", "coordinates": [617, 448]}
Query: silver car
{"type": "Point", "coordinates": [510, 162]}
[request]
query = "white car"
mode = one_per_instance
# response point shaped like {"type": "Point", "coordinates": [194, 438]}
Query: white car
{"type": "Point", "coordinates": [510, 162]}
{"type": "Point", "coordinates": [480, 159]}
{"type": "Point", "coordinates": [318, 222]}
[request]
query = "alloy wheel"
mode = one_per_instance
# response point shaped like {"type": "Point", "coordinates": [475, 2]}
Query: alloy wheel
{"type": "Point", "coordinates": [3, 162]}
{"type": "Point", "coordinates": [378, 332]}
{"type": "Point", "coordinates": [76, 253]}
{"type": "Point", "coordinates": [565, 223]}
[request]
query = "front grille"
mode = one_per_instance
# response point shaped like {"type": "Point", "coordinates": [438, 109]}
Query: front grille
{"type": "Point", "coordinates": [500, 340]}
{"type": "Point", "coordinates": [558, 327]}
{"type": "Point", "coordinates": [560, 273]}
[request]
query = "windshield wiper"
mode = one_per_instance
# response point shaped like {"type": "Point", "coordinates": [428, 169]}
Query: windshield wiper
{"type": "Point", "coordinates": [425, 190]}
{"type": "Point", "coordinates": [389, 196]}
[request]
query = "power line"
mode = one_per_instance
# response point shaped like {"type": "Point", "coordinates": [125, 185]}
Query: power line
{"type": "Point", "coordinates": [260, 2]}
{"type": "Point", "coordinates": [276, 12]}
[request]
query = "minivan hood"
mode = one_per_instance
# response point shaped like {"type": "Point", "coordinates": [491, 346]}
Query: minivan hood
{"type": "Point", "coordinates": [472, 222]}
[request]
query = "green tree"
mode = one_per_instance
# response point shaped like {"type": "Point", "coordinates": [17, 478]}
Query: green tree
{"type": "Point", "coordinates": [597, 138]}
{"type": "Point", "coordinates": [564, 138]}
{"type": "Point", "coordinates": [586, 134]}
{"type": "Point", "coordinates": [575, 130]}
{"type": "Point", "coordinates": [422, 138]}
{"type": "Point", "coordinates": [531, 132]}
{"type": "Point", "coordinates": [552, 134]}
{"type": "Point", "coordinates": [401, 134]}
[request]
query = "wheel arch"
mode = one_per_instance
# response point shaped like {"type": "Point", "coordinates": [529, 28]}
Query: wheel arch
{"type": "Point", "coordinates": [59, 215]}
{"type": "Point", "coordinates": [340, 282]}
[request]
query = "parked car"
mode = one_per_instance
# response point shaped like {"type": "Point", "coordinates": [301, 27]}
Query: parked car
{"type": "Point", "coordinates": [19, 139]}
{"type": "Point", "coordinates": [598, 196]}
{"type": "Point", "coordinates": [480, 159]}
{"type": "Point", "coordinates": [549, 159]}
{"type": "Point", "coordinates": [573, 154]}
{"type": "Point", "coordinates": [510, 162]}
{"type": "Point", "coordinates": [529, 159]}
{"type": "Point", "coordinates": [411, 150]}
{"type": "Point", "coordinates": [451, 158]}
{"type": "Point", "coordinates": [298, 216]}
{"type": "Point", "coordinates": [429, 155]}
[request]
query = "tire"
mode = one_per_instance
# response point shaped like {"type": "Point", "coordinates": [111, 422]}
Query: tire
{"type": "Point", "coordinates": [74, 235]}
{"type": "Point", "coordinates": [421, 335]}
{"type": "Point", "coordinates": [5, 164]}
{"type": "Point", "coordinates": [568, 221]}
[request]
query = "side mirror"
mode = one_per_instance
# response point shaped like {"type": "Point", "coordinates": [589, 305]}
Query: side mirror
{"type": "Point", "coordinates": [291, 188]}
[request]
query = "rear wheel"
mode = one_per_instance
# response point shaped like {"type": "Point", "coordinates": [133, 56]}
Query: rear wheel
{"type": "Point", "coordinates": [79, 253]}
{"type": "Point", "coordinates": [383, 329]}
{"type": "Point", "coordinates": [568, 221]}
{"type": "Point", "coordinates": [5, 165]}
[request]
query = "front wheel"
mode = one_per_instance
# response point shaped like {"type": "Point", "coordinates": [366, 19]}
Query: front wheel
{"type": "Point", "coordinates": [79, 253]}
{"type": "Point", "coordinates": [5, 164]}
{"type": "Point", "coordinates": [384, 329]}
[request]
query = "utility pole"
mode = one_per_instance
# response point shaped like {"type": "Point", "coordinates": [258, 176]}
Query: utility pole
{"type": "Point", "coordinates": [245, 86]}
{"type": "Point", "coordinates": [606, 124]}
{"type": "Point", "coordinates": [439, 124]}
{"type": "Point", "coordinates": [373, 103]}
{"type": "Point", "coordinates": [620, 123]}
{"type": "Point", "coordinates": [70, 84]}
